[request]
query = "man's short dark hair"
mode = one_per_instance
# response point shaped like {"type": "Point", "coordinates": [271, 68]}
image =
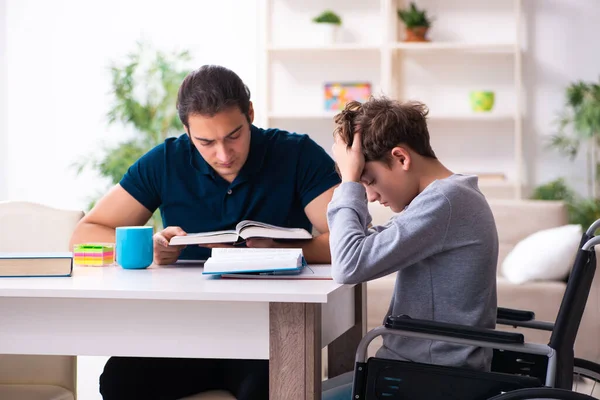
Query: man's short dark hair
{"type": "Point", "coordinates": [385, 124]}
{"type": "Point", "coordinates": [209, 90]}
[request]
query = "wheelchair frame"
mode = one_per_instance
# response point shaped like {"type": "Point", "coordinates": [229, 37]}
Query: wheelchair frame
{"type": "Point", "coordinates": [560, 347]}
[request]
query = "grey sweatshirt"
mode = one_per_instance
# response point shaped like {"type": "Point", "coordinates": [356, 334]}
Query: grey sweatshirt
{"type": "Point", "coordinates": [443, 248]}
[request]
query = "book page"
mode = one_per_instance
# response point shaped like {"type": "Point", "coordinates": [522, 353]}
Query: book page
{"type": "Point", "coordinates": [205, 237]}
{"type": "Point", "coordinates": [249, 229]}
{"type": "Point", "coordinates": [214, 233]}
{"type": "Point", "coordinates": [247, 223]}
{"type": "Point", "coordinates": [308, 273]}
{"type": "Point", "coordinates": [252, 260]}
{"type": "Point", "coordinates": [229, 253]}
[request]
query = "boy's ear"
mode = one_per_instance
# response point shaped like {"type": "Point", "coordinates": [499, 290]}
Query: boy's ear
{"type": "Point", "coordinates": [402, 156]}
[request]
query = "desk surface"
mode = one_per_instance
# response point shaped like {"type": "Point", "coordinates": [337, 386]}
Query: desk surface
{"type": "Point", "coordinates": [167, 283]}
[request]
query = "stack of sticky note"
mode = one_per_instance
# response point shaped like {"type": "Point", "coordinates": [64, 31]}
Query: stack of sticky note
{"type": "Point", "coordinates": [94, 254]}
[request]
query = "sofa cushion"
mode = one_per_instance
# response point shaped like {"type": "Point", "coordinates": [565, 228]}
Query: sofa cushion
{"type": "Point", "coordinates": [517, 219]}
{"type": "Point", "coordinates": [34, 392]}
{"type": "Point", "coordinates": [544, 255]}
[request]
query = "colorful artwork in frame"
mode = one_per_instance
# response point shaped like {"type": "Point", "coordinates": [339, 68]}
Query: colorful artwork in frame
{"type": "Point", "coordinates": [338, 94]}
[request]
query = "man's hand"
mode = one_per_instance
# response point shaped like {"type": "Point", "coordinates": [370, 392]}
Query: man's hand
{"type": "Point", "coordinates": [262, 243]}
{"type": "Point", "coordinates": [350, 160]}
{"type": "Point", "coordinates": [163, 252]}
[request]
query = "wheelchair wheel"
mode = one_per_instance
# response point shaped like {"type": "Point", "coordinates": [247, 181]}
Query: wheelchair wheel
{"type": "Point", "coordinates": [586, 377]}
{"type": "Point", "coordinates": [542, 393]}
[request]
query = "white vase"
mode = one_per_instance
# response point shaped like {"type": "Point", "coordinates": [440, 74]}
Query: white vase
{"type": "Point", "coordinates": [326, 34]}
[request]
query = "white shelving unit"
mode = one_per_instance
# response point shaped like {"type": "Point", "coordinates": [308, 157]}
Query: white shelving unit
{"type": "Point", "coordinates": [477, 46]}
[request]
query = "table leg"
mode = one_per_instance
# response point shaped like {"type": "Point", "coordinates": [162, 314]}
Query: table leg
{"type": "Point", "coordinates": [342, 351]}
{"type": "Point", "coordinates": [295, 351]}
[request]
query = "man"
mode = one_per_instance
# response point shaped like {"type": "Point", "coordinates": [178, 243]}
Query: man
{"type": "Point", "coordinates": [221, 171]}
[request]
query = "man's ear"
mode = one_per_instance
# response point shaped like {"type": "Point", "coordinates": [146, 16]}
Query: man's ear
{"type": "Point", "coordinates": [251, 113]}
{"type": "Point", "coordinates": [402, 156]}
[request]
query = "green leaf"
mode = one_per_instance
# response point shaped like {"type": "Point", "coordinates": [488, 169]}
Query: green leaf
{"type": "Point", "coordinates": [413, 17]}
{"type": "Point", "coordinates": [554, 190]}
{"type": "Point", "coordinates": [144, 86]}
{"type": "Point", "coordinates": [579, 121]}
{"type": "Point", "coordinates": [328, 17]}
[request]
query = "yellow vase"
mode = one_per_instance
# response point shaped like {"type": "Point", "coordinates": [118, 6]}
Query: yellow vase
{"type": "Point", "coordinates": [482, 101]}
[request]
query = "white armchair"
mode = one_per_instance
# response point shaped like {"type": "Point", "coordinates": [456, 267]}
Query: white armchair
{"type": "Point", "coordinates": [36, 228]}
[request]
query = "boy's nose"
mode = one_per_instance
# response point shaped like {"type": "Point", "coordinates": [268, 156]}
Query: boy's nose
{"type": "Point", "coordinates": [372, 195]}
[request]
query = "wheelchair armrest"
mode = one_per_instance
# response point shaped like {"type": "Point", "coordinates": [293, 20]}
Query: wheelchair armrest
{"type": "Point", "coordinates": [515, 315]}
{"type": "Point", "coordinates": [404, 322]}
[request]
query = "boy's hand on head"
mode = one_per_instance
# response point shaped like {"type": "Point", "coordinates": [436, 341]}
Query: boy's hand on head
{"type": "Point", "coordinates": [350, 160]}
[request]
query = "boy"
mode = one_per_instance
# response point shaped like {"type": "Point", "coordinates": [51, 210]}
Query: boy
{"type": "Point", "coordinates": [443, 244]}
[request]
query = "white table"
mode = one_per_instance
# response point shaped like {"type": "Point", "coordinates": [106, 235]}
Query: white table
{"type": "Point", "coordinates": [177, 312]}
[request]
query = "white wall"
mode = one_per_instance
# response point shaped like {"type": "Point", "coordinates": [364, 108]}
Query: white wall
{"type": "Point", "coordinates": [58, 57]}
{"type": "Point", "coordinates": [564, 46]}
{"type": "Point", "coordinates": [58, 81]}
{"type": "Point", "coordinates": [3, 122]}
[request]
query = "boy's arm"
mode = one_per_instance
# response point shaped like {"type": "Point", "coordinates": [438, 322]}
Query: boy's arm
{"type": "Point", "coordinates": [359, 254]}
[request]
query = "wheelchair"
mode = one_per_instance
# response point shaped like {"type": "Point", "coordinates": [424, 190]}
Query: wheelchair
{"type": "Point", "coordinates": [519, 370]}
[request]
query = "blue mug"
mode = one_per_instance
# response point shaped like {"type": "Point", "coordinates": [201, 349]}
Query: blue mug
{"type": "Point", "coordinates": [134, 246]}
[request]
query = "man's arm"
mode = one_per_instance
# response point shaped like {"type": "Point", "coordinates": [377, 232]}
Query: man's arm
{"type": "Point", "coordinates": [316, 250]}
{"type": "Point", "coordinates": [116, 208]}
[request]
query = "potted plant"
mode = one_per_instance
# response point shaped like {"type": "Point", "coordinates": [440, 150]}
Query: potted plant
{"type": "Point", "coordinates": [143, 93]}
{"type": "Point", "coordinates": [579, 125]}
{"type": "Point", "coordinates": [328, 24]}
{"type": "Point", "coordinates": [416, 22]}
{"type": "Point", "coordinates": [581, 210]}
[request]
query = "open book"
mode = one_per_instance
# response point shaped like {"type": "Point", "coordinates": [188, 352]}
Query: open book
{"type": "Point", "coordinates": [254, 261]}
{"type": "Point", "coordinates": [244, 230]}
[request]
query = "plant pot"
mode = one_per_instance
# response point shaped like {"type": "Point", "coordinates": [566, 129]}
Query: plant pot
{"type": "Point", "coordinates": [416, 34]}
{"type": "Point", "coordinates": [482, 101]}
{"type": "Point", "coordinates": [326, 34]}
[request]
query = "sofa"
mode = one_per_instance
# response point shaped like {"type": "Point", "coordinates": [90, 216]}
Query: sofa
{"type": "Point", "coordinates": [515, 220]}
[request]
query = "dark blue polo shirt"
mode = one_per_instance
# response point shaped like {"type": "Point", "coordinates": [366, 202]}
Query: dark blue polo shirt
{"type": "Point", "coordinates": [283, 173]}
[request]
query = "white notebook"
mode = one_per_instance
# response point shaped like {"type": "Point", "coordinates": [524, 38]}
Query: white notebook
{"type": "Point", "coordinates": [254, 261]}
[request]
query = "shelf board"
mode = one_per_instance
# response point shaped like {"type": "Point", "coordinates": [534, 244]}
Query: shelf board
{"type": "Point", "coordinates": [492, 183]}
{"type": "Point", "coordinates": [506, 48]}
{"type": "Point", "coordinates": [432, 116]}
{"type": "Point", "coordinates": [310, 115]}
{"type": "Point", "coordinates": [474, 116]}
{"type": "Point", "coordinates": [333, 47]}
{"type": "Point", "coordinates": [503, 48]}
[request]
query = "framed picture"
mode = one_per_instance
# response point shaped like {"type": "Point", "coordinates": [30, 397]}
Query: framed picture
{"type": "Point", "coordinates": [338, 94]}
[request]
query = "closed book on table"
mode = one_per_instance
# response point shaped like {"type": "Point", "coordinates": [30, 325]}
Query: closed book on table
{"type": "Point", "coordinates": [35, 264]}
{"type": "Point", "coordinates": [254, 261]}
